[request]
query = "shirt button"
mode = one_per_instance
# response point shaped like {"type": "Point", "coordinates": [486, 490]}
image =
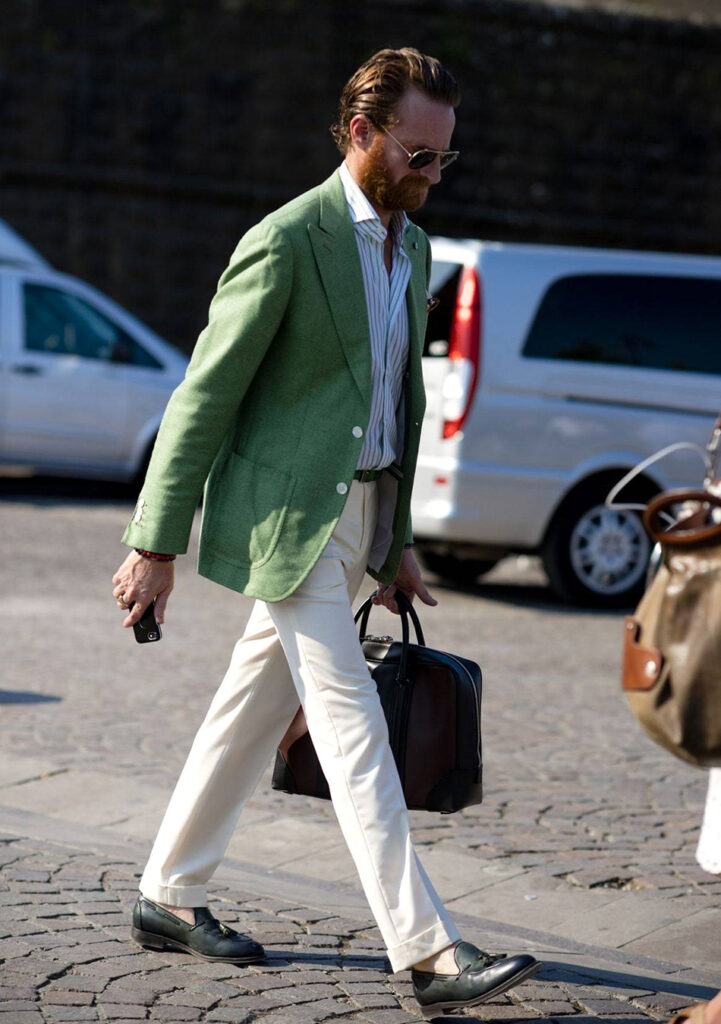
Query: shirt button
{"type": "Point", "coordinates": [357, 432]}
{"type": "Point", "coordinates": [341, 488]}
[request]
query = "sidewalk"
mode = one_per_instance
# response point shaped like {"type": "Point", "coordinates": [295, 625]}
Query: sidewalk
{"type": "Point", "coordinates": [66, 891]}
{"type": "Point", "coordinates": [581, 853]}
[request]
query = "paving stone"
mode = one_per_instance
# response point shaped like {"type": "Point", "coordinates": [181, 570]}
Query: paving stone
{"type": "Point", "coordinates": [491, 1011]}
{"type": "Point", "coordinates": [550, 1007]}
{"type": "Point", "coordinates": [188, 998]}
{"type": "Point", "coordinates": [601, 1006]}
{"type": "Point", "coordinates": [21, 1017]}
{"type": "Point", "coordinates": [235, 1016]}
{"type": "Point", "coordinates": [17, 991]}
{"type": "Point", "coordinates": [176, 1013]}
{"type": "Point", "coordinates": [77, 983]}
{"type": "Point", "coordinates": [303, 994]}
{"type": "Point", "coordinates": [66, 998]}
{"type": "Point", "coordinates": [264, 983]}
{"type": "Point", "coordinates": [126, 993]}
{"type": "Point", "coordinates": [25, 874]}
{"type": "Point", "coordinates": [400, 1017]}
{"type": "Point", "coordinates": [665, 1002]}
{"type": "Point", "coordinates": [355, 989]}
{"type": "Point", "coordinates": [113, 1011]}
{"type": "Point", "coordinates": [71, 1013]}
{"type": "Point", "coordinates": [384, 1000]}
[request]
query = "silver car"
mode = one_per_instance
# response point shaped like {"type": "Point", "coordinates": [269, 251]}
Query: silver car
{"type": "Point", "coordinates": [83, 383]}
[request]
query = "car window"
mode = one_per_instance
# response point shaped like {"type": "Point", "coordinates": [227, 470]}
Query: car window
{"type": "Point", "coordinates": [59, 323]}
{"type": "Point", "coordinates": [444, 287]}
{"type": "Point", "coordinates": [660, 322]}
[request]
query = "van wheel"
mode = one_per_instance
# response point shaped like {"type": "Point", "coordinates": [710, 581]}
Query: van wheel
{"type": "Point", "coordinates": [594, 555]}
{"type": "Point", "coordinates": [454, 568]}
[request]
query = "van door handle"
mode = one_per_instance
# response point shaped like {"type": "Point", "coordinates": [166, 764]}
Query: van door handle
{"type": "Point", "coordinates": [30, 369]}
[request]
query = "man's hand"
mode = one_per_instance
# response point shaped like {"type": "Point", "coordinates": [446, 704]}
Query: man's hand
{"type": "Point", "coordinates": [409, 581]}
{"type": "Point", "coordinates": [138, 581]}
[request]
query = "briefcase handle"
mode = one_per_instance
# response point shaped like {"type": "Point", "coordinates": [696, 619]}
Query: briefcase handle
{"type": "Point", "coordinates": [405, 608]}
{"type": "Point", "coordinates": [406, 611]}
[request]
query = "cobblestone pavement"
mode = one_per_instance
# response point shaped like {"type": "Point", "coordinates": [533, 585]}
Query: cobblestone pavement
{"type": "Point", "coordinates": [582, 815]}
{"type": "Point", "coordinates": [66, 954]}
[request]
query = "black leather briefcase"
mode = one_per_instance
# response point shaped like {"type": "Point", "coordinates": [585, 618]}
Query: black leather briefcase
{"type": "Point", "coordinates": [432, 703]}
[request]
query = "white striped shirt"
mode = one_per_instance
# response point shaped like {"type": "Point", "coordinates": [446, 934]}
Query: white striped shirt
{"type": "Point", "coordinates": [387, 321]}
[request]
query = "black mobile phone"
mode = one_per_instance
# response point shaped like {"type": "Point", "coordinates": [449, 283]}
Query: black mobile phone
{"type": "Point", "coordinates": [147, 630]}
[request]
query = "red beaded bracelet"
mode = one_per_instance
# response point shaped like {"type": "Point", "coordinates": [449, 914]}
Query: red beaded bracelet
{"type": "Point", "coordinates": [155, 556]}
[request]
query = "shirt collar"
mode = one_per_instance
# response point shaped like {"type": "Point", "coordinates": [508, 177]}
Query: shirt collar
{"type": "Point", "coordinates": [364, 216]}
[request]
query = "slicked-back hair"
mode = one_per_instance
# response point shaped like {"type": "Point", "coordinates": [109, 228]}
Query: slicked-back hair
{"type": "Point", "coordinates": [376, 88]}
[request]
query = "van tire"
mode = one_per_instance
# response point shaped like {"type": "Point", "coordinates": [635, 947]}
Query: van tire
{"type": "Point", "coordinates": [595, 556]}
{"type": "Point", "coordinates": [455, 568]}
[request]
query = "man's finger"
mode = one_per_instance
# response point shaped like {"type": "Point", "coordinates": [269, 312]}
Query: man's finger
{"type": "Point", "coordinates": [424, 595]}
{"type": "Point", "coordinates": [136, 613]}
{"type": "Point", "coordinates": [160, 602]}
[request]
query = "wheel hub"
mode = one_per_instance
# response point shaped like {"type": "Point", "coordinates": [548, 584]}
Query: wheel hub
{"type": "Point", "coordinates": [609, 550]}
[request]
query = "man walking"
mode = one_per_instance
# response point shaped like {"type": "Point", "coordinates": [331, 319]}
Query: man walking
{"type": "Point", "coordinates": [302, 408]}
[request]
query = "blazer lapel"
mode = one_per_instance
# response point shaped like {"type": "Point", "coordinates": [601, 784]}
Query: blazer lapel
{"type": "Point", "coordinates": [336, 254]}
{"type": "Point", "coordinates": [416, 302]}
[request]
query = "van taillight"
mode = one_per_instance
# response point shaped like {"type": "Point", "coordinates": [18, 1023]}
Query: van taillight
{"type": "Point", "coordinates": [464, 349]}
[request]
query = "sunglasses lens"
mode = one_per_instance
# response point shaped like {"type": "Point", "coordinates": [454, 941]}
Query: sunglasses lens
{"type": "Point", "coordinates": [447, 159]}
{"type": "Point", "coordinates": [421, 159]}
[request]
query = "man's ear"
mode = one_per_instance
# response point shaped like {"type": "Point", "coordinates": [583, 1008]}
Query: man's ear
{"type": "Point", "coordinates": [361, 132]}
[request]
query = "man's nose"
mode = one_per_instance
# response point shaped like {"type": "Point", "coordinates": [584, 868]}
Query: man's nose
{"type": "Point", "coordinates": [432, 171]}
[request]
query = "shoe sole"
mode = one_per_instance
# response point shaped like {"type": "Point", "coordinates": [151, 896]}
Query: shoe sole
{"type": "Point", "coordinates": [436, 1009]}
{"type": "Point", "coordinates": [149, 940]}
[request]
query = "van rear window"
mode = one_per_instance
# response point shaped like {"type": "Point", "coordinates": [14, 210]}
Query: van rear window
{"type": "Point", "coordinates": [444, 287]}
{"type": "Point", "coordinates": [660, 322]}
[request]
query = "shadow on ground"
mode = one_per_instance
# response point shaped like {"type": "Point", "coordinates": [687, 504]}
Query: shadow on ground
{"type": "Point", "coordinates": [50, 490]}
{"type": "Point", "coordinates": [536, 595]}
{"type": "Point", "coordinates": [26, 697]}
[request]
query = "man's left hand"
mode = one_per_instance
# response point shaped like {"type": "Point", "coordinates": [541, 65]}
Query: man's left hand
{"type": "Point", "coordinates": [409, 581]}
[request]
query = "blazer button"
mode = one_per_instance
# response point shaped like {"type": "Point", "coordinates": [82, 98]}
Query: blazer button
{"type": "Point", "coordinates": [342, 488]}
{"type": "Point", "coordinates": [357, 431]}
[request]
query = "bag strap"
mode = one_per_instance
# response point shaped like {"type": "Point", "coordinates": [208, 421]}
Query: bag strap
{"type": "Point", "coordinates": [405, 608]}
{"type": "Point", "coordinates": [686, 532]}
{"type": "Point", "coordinates": [406, 611]}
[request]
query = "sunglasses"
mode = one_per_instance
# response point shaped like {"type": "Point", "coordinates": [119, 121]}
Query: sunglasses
{"type": "Point", "coordinates": [423, 157]}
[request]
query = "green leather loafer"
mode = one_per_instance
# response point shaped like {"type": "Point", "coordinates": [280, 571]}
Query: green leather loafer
{"type": "Point", "coordinates": [481, 977]}
{"type": "Point", "coordinates": [155, 928]}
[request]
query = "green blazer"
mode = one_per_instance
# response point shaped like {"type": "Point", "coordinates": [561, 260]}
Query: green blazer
{"type": "Point", "coordinates": [277, 382]}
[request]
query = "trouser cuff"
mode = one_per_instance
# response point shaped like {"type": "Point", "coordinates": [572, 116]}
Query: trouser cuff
{"type": "Point", "coordinates": [175, 895]}
{"type": "Point", "coordinates": [422, 946]}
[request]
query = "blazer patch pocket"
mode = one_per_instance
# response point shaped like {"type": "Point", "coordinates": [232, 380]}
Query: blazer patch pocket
{"type": "Point", "coordinates": [246, 508]}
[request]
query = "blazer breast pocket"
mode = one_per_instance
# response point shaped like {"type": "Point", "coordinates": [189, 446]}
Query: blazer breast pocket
{"type": "Point", "coordinates": [246, 504]}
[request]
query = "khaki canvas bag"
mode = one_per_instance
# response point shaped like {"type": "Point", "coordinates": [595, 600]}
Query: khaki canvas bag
{"type": "Point", "coordinates": [672, 650]}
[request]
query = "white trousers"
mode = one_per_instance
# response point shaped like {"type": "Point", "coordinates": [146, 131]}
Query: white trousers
{"type": "Point", "coordinates": [708, 852]}
{"type": "Point", "coordinates": [305, 647]}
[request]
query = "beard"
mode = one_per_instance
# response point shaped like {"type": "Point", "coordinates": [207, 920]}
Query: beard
{"type": "Point", "coordinates": [408, 194]}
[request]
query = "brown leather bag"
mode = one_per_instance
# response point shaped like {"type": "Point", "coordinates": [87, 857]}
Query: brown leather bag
{"type": "Point", "coordinates": [672, 653]}
{"type": "Point", "coordinates": [432, 704]}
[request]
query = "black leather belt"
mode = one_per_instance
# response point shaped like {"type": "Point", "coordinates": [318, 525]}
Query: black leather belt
{"type": "Point", "coordinates": [367, 476]}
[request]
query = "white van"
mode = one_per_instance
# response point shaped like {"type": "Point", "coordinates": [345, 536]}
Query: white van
{"type": "Point", "coordinates": [83, 383]}
{"type": "Point", "coordinates": [550, 372]}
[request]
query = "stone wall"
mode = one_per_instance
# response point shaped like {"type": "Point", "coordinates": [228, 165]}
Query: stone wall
{"type": "Point", "coordinates": [141, 138]}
